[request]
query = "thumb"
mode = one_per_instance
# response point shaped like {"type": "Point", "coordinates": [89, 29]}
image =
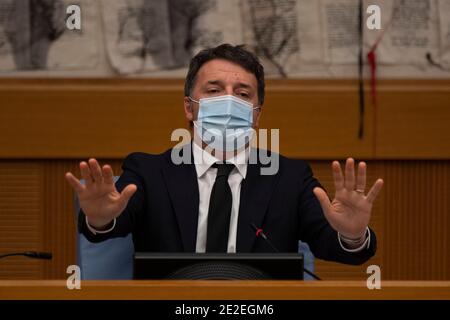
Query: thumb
{"type": "Point", "coordinates": [126, 193]}
{"type": "Point", "coordinates": [324, 201]}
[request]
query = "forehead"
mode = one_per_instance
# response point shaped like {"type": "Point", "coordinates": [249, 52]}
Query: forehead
{"type": "Point", "coordinates": [224, 70]}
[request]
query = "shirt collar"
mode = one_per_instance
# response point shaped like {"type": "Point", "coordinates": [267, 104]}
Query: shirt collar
{"type": "Point", "coordinates": [204, 160]}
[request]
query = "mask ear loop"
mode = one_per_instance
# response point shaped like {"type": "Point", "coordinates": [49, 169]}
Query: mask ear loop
{"type": "Point", "coordinates": [193, 100]}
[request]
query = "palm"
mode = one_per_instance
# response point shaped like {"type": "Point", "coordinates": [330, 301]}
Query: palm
{"type": "Point", "coordinates": [349, 212]}
{"type": "Point", "coordinates": [100, 201]}
{"type": "Point", "coordinates": [98, 197]}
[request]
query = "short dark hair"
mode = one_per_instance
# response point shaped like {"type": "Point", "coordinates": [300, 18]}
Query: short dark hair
{"type": "Point", "coordinates": [236, 54]}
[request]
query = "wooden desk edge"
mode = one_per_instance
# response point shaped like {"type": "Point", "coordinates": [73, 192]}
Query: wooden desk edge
{"type": "Point", "coordinates": [223, 290]}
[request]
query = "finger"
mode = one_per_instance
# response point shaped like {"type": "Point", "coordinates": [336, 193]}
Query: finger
{"type": "Point", "coordinates": [361, 178]}
{"type": "Point", "coordinates": [337, 175]}
{"type": "Point", "coordinates": [86, 173]}
{"type": "Point", "coordinates": [108, 176]}
{"type": "Point", "coordinates": [126, 193]}
{"type": "Point", "coordinates": [324, 201]}
{"type": "Point", "coordinates": [74, 183]}
{"type": "Point", "coordinates": [349, 174]}
{"type": "Point", "coordinates": [96, 171]}
{"type": "Point", "coordinates": [373, 193]}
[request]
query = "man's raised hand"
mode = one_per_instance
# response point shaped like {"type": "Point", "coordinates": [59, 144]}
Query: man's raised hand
{"type": "Point", "coordinates": [349, 212]}
{"type": "Point", "coordinates": [98, 197]}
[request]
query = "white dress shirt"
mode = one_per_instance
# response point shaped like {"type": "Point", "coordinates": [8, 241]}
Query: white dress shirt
{"type": "Point", "coordinates": [206, 175]}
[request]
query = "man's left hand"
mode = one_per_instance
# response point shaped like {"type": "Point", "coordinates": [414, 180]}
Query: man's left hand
{"type": "Point", "coordinates": [349, 212]}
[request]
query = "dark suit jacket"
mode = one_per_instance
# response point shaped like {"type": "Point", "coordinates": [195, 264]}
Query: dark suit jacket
{"type": "Point", "coordinates": [163, 213]}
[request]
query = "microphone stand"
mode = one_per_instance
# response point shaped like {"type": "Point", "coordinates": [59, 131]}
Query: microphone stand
{"type": "Point", "coordinates": [260, 233]}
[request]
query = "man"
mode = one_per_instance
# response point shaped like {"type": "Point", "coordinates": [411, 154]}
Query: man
{"type": "Point", "coordinates": [210, 205]}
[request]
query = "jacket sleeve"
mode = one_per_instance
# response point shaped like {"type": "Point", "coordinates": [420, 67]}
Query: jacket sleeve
{"type": "Point", "coordinates": [127, 219]}
{"type": "Point", "coordinates": [318, 233]}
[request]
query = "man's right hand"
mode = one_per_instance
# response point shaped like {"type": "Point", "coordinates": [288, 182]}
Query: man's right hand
{"type": "Point", "coordinates": [98, 197]}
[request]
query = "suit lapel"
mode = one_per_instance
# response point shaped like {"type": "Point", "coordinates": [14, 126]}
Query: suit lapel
{"type": "Point", "coordinates": [256, 191]}
{"type": "Point", "coordinates": [182, 185]}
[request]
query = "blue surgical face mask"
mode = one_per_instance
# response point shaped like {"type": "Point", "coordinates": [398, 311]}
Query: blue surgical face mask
{"type": "Point", "coordinates": [224, 122]}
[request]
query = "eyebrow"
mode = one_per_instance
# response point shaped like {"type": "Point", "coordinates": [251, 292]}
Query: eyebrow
{"type": "Point", "coordinates": [239, 84]}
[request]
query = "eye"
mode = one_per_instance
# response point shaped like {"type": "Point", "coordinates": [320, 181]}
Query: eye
{"type": "Point", "coordinates": [213, 90]}
{"type": "Point", "coordinates": [244, 95]}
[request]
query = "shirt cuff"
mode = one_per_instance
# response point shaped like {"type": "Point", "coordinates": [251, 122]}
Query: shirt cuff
{"type": "Point", "coordinates": [364, 245]}
{"type": "Point", "coordinates": [95, 231]}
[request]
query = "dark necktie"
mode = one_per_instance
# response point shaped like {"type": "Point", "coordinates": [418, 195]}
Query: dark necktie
{"type": "Point", "coordinates": [219, 210]}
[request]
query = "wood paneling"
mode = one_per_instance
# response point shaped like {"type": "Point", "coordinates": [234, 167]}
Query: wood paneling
{"type": "Point", "coordinates": [58, 217]}
{"type": "Point", "coordinates": [20, 217]}
{"type": "Point", "coordinates": [319, 125]}
{"type": "Point", "coordinates": [410, 217]}
{"type": "Point", "coordinates": [82, 120]}
{"type": "Point", "coordinates": [412, 120]}
{"type": "Point", "coordinates": [417, 221]}
{"type": "Point", "coordinates": [36, 213]}
{"type": "Point", "coordinates": [109, 118]}
{"type": "Point", "coordinates": [47, 126]}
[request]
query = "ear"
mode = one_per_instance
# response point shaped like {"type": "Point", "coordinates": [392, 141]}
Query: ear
{"type": "Point", "coordinates": [188, 110]}
{"type": "Point", "coordinates": [256, 116]}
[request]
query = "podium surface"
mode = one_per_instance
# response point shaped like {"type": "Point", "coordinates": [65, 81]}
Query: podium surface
{"type": "Point", "coordinates": [223, 290]}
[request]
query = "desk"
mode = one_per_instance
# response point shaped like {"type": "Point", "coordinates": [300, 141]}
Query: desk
{"type": "Point", "coordinates": [223, 290]}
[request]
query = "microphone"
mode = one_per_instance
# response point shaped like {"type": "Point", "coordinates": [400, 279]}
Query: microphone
{"type": "Point", "coordinates": [29, 254]}
{"type": "Point", "coordinates": [260, 233]}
